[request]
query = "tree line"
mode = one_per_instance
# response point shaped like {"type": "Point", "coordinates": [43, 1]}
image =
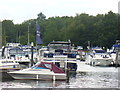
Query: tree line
{"type": "Point", "coordinates": [100, 30]}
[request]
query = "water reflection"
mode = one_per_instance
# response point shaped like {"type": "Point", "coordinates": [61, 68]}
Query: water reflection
{"type": "Point", "coordinates": [77, 80]}
{"type": "Point", "coordinates": [95, 79]}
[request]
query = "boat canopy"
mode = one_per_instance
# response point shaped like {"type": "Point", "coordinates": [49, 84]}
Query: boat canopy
{"type": "Point", "coordinates": [51, 66]}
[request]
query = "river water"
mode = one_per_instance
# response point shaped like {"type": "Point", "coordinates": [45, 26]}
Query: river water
{"type": "Point", "coordinates": [102, 78]}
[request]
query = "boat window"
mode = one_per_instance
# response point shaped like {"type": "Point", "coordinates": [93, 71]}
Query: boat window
{"type": "Point", "coordinates": [100, 51]}
{"type": "Point", "coordinates": [48, 65]}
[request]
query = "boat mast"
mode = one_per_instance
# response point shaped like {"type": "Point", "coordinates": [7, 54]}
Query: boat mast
{"type": "Point", "coordinates": [28, 36]}
{"type": "Point", "coordinates": [28, 43]}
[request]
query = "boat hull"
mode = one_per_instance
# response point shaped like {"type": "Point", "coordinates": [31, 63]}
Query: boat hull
{"type": "Point", "coordinates": [38, 76]}
{"type": "Point", "coordinates": [9, 66]}
{"type": "Point", "coordinates": [102, 62]}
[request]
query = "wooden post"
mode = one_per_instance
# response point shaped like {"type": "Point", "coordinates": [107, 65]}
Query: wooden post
{"type": "Point", "coordinates": [68, 67]}
{"type": "Point", "coordinates": [116, 62]}
{"type": "Point", "coordinates": [67, 74]}
{"type": "Point", "coordinates": [117, 52]}
{"type": "Point", "coordinates": [53, 77]}
{"type": "Point", "coordinates": [37, 77]}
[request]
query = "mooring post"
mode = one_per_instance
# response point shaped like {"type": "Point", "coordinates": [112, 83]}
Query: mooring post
{"type": "Point", "coordinates": [116, 62]}
{"type": "Point", "coordinates": [67, 73]}
{"type": "Point", "coordinates": [68, 67]}
{"type": "Point", "coordinates": [117, 52]}
{"type": "Point", "coordinates": [53, 77]}
{"type": "Point", "coordinates": [37, 77]}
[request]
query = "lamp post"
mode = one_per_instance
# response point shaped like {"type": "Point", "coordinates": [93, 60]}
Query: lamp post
{"type": "Point", "coordinates": [32, 62]}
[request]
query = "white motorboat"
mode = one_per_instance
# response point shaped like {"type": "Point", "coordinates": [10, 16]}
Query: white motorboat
{"type": "Point", "coordinates": [113, 52]}
{"type": "Point", "coordinates": [8, 64]}
{"type": "Point", "coordinates": [99, 57]}
{"type": "Point", "coordinates": [19, 55]}
{"type": "Point", "coordinates": [60, 53]}
{"type": "Point", "coordinates": [40, 71]}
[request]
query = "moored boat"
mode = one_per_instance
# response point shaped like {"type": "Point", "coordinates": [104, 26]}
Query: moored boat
{"type": "Point", "coordinates": [115, 54]}
{"type": "Point", "coordinates": [60, 53]}
{"type": "Point", "coordinates": [40, 71]}
{"type": "Point", "coordinates": [9, 64]}
{"type": "Point", "coordinates": [99, 57]}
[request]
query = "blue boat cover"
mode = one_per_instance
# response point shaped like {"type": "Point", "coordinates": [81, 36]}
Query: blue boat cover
{"type": "Point", "coordinates": [116, 45]}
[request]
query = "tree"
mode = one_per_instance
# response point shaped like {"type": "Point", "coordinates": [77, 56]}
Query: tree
{"type": "Point", "coordinates": [9, 31]}
{"type": "Point", "coordinates": [41, 16]}
{"type": "Point", "coordinates": [100, 30]}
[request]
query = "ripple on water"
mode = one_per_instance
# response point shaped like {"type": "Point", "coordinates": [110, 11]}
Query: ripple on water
{"type": "Point", "coordinates": [77, 80]}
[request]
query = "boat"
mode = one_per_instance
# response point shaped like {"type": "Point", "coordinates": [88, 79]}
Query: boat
{"type": "Point", "coordinates": [61, 54]}
{"type": "Point", "coordinates": [40, 71]}
{"type": "Point", "coordinates": [8, 64]}
{"type": "Point", "coordinates": [99, 57]}
{"type": "Point", "coordinates": [115, 54]}
{"type": "Point", "coordinates": [19, 55]}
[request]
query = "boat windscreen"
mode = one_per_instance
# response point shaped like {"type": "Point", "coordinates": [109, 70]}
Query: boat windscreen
{"type": "Point", "coordinates": [38, 68]}
{"type": "Point", "coordinates": [100, 51]}
{"type": "Point", "coordinates": [48, 66]}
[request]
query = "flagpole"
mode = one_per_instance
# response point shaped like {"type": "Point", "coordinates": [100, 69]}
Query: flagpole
{"type": "Point", "coordinates": [36, 33]}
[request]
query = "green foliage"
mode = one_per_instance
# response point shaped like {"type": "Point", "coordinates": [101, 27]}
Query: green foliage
{"type": "Point", "coordinates": [9, 32]}
{"type": "Point", "coordinates": [100, 30]}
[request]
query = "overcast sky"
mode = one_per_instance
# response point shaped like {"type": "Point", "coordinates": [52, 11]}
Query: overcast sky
{"type": "Point", "coordinates": [21, 10]}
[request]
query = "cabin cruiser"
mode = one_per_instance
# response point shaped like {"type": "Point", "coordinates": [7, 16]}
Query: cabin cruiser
{"type": "Point", "coordinates": [60, 53]}
{"type": "Point", "coordinates": [15, 53]}
{"type": "Point", "coordinates": [40, 71]}
{"type": "Point", "coordinates": [8, 64]}
{"type": "Point", "coordinates": [19, 55]}
{"type": "Point", "coordinates": [115, 53]}
{"type": "Point", "coordinates": [99, 57]}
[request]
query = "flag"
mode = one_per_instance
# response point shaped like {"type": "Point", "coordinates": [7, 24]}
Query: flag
{"type": "Point", "coordinates": [38, 38]}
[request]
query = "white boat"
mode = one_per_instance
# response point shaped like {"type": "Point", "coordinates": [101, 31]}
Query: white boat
{"type": "Point", "coordinates": [8, 64]}
{"type": "Point", "coordinates": [60, 53]}
{"type": "Point", "coordinates": [19, 55]}
{"type": "Point", "coordinates": [40, 71]}
{"type": "Point", "coordinates": [99, 57]}
{"type": "Point", "coordinates": [113, 52]}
